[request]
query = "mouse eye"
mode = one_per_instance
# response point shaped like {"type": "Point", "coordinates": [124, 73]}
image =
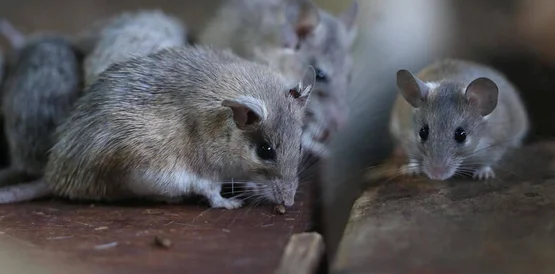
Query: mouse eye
{"type": "Point", "coordinates": [424, 132]}
{"type": "Point", "coordinates": [320, 75]}
{"type": "Point", "coordinates": [265, 151]}
{"type": "Point", "coordinates": [460, 135]}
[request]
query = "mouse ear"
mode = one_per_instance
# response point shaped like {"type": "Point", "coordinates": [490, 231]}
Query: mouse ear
{"type": "Point", "coordinates": [248, 112]}
{"type": "Point", "coordinates": [303, 16]}
{"type": "Point", "coordinates": [289, 37]}
{"type": "Point", "coordinates": [412, 89]}
{"type": "Point", "coordinates": [13, 35]}
{"type": "Point", "coordinates": [301, 92]}
{"type": "Point", "coordinates": [348, 18]}
{"type": "Point", "coordinates": [482, 93]}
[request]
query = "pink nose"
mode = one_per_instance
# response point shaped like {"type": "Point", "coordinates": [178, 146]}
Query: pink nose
{"type": "Point", "coordinates": [437, 172]}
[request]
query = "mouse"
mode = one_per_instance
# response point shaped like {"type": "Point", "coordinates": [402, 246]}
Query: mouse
{"type": "Point", "coordinates": [42, 83]}
{"type": "Point", "coordinates": [127, 35]}
{"type": "Point", "coordinates": [175, 123]}
{"type": "Point", "coordinates": [1, 66]}
{"type": "Point", "coordinates": [456, 117]}
{"type": "Point", "coordinates": [289, 35]}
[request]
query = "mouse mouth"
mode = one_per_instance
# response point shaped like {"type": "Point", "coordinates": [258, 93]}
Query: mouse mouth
{"type": "Point", "coordinates": [439, 172]}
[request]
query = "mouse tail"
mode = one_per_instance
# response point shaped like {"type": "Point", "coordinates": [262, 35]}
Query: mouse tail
{"type": "Point", "coordinates": [12, 34]}
{"type": "Point", "coordinates": [24, 192]}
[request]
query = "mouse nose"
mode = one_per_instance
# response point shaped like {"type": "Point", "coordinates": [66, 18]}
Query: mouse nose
{"type": "Point", "coordinates": [289, 202]}
{"type": "Point", "coordinates": [438, 173]}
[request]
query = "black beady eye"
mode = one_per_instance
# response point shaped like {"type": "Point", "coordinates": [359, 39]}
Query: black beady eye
{"type": "Point", "coordinates": [424, 132]}
{"type": "Point", "coordinates": [320, 75]}
{"type": "Point", "coordinates": [265, 151]}
{"type": "Point", "coordinates": [460, 135]}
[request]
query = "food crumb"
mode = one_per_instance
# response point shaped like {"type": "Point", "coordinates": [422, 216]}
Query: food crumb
{"type": "Point", "coordinates": [280, 209]}
{"type": "Point", "coordinates": [162, 242]}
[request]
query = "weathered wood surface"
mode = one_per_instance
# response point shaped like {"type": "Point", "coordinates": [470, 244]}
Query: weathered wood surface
{"type": "Point", "coordinates": [119, 238]}
{"type": "Point", "coordinates": [414, 225]}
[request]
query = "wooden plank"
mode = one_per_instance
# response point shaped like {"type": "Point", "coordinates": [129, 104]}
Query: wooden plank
{"type": "Point", "coordinates": [119, 238]}
{"type": "Point", "coordinates": [414, 225]}
{"type": "Point", "coordinates": [302, 254]}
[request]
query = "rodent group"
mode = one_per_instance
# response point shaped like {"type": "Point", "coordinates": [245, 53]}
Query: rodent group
{"type": "Point", "coordinates": [128, 109]}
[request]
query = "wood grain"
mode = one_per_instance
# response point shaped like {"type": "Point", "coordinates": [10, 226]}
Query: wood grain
{"type": "Point", "coordinates": [414, 225]}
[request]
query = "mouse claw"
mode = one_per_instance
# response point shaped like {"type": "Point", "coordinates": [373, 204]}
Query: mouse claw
{"type": "Point", "coordinates": [484, 173]}
{"type": "Point", "coordinates": [410, 169]}
{"type": "Point", "coordinates": [227, 203]}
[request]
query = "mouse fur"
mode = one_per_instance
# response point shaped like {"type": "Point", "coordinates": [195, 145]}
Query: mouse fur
{"type": "Point", "coordinates": [445, 100]}
{"type": "Point", "coordinates": [40, 88]}
{"type": "Point", "coordinates": [288, 35]}
{"type": "Point", "coordinates": [178, 122]}
{"type": "Point", "coordinates": [128, 35]}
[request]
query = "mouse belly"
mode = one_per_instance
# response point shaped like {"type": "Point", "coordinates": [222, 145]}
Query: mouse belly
{"type": "Point", "coordinates": [170, 185]}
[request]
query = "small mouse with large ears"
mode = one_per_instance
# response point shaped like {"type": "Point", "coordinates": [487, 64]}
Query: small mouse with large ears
{"type": "Point", "coordinates": [456, 117]}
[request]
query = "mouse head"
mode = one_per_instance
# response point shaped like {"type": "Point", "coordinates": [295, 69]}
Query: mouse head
{"type": "Point", "coordinates": [269, 138]}
{"type": "Point", "coordinates": [449, 121]}
{"type": "Point", "coordinates": [327, 49]}
{"type": "Point", "coordinates": [297, 19]}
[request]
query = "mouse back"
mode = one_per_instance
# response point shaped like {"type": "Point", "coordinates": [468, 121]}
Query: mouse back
{"type": "Point", "coordinates": [39, 92]}
{"type": "Point", "coordinates": [129, 35]}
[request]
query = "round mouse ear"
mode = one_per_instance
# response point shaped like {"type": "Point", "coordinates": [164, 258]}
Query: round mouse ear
{"type": "Point", "coordinates": [483, 94]}
{"type": "Point", "coordinates": [412, 89]}
{"type": "Point", "coordinates": [301, 92]}
{"type": "Point", "coordinates": [248, 112]}
{"type": "Point", "coordinates": [304, 17]}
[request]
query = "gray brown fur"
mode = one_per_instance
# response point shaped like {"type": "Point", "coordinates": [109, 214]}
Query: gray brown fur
{"type": "Point", "coordinates": [328, 49]}
{"type": "Point", "coordinates": [162, 116]}
{"type": "Point", "coordinates": [40, 90]}
{"type": "Point", "coordinates": [254, 30]}
{"type": "Point", "coordinates": [128, 35]}
{"type": "Point", "coordinates": [1, 67]}
{"type": "Point", "coordinates": [446, 108]}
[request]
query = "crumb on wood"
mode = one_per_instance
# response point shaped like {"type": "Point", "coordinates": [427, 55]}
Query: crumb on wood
{"type": "Point", "coordinates": [280, 209]}
{"type": "Point", "coordinates": [162, 242]}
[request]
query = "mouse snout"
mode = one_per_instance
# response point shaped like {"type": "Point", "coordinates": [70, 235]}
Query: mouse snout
{"type": "Point", "coordinates": [337, 118]}
{"type": "Point", "coordinates": [439, 171]}
{"type": "Point", "coordinates": [284, 192]}
{"type": "Point", "coordinates": [289, 201]}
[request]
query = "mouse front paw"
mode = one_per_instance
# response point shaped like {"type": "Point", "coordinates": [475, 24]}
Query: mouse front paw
{"type": "Point", "coordinates": [410, 169]}
{"type": "Point", "coordinates": [484, 173]}
{"type": "Point", "coordinates": [227, 203]}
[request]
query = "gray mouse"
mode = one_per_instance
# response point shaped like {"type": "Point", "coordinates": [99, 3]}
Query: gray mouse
{"type": "Point", "coordinates": [41, 85]}
{"type": "Point", "coordinates": [178, 122]}
{"type": "Point", "coordinates": [289, 35]}
{"type": "Point", "coordinates": [457, 117]}
{"type": "Point", "coordinates": [1, 67]}
{"type": "Point", "coordinates": [128, 35]}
